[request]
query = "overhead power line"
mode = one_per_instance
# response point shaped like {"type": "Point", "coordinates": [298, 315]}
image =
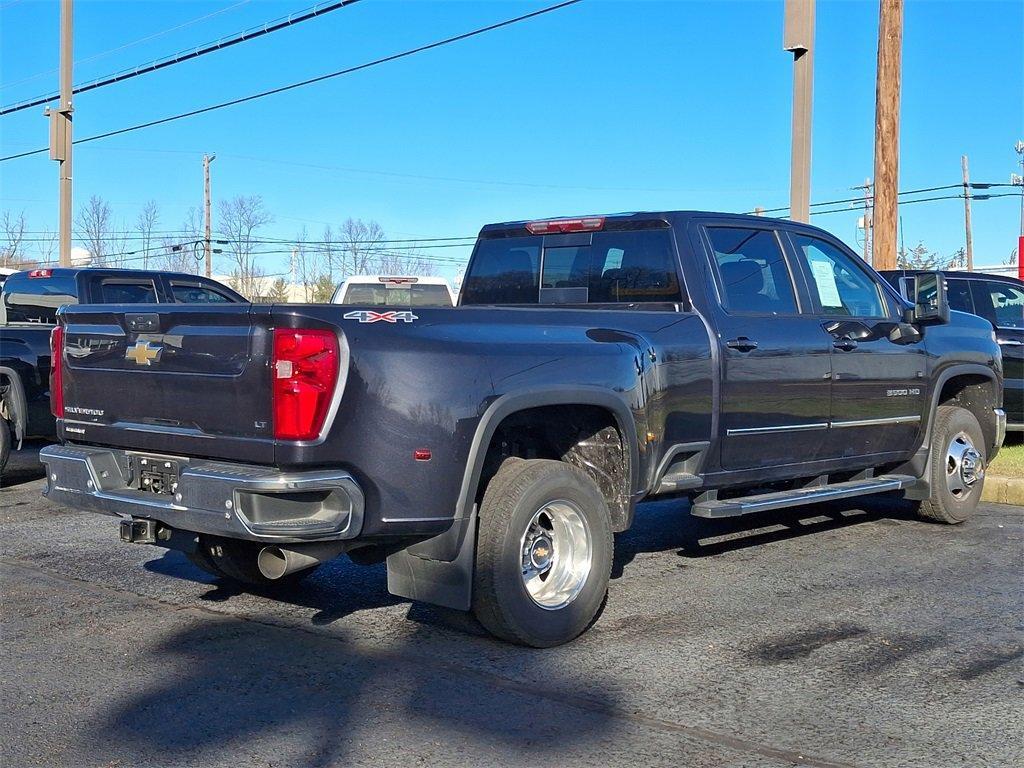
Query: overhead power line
{"type": "Point", "coordinates": [193, 53]}
{"type": "Point", "coordinates": [129, 44]}
{"type": "Point", "coordinates": [312, 80]}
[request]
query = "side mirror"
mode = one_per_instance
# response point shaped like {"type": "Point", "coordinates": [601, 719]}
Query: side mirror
{"type": "Point", "coordinates": [931, 306]}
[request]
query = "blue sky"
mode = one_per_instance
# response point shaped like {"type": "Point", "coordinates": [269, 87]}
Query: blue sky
{"type": "Point", "coordinates": [600, 107]}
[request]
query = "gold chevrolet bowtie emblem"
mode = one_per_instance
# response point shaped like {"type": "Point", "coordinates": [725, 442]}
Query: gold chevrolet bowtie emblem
{"type": "Point", "coordinates": [142, 353]}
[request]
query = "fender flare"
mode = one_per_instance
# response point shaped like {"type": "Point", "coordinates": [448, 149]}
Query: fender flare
{"type": "Point", "coordinates": [16, 401]}
{"type": "Point", "coordinates": [507, 404]}
{"type": "Point", "coordinates": [440, 570]}
{"type": "Point", "coordinates": [960, 369]}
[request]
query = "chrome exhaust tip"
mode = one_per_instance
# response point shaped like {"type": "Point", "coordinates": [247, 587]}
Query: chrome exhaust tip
{"type": "Point", "coordinates": [277, 562]}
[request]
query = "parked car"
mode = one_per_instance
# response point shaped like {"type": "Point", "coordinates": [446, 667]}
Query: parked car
{"type": "Point", "coordinates": [489, 451]}
{"type": "Point", "coordinates": [395, 291]}
{"type": "Point", "coordinates": [1000, 300]}
{"type": "Point", "coordinates": [28, 307]}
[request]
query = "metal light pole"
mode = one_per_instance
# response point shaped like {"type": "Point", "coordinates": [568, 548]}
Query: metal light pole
{"type": "Point", "coordinates": [798, 37]}
{"type": "Point", "coordinates": [60, 131]}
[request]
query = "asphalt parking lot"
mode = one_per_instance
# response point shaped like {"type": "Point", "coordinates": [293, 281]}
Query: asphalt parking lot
{"type": "Point", "coordinates": [833, 636]}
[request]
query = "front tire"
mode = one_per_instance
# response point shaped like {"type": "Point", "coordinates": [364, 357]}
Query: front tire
{"type": "Point", "coordinates": [956, 466]}
{"type": "Point", "coordinates": [543, 554]}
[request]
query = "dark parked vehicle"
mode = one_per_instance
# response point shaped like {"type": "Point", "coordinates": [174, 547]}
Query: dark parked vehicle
{"type": "Point", "coordinates": [490, 451]}
{"type": "Point", "coordinates": [28, 309]}
{"type": "Point", "coordinates": [1000, 300]}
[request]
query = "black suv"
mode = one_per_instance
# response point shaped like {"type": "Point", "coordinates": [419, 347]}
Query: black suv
{"type": "Point", "coordinates": [1000, 300]}
{"type": "Point", "coordinates": [28, 308]}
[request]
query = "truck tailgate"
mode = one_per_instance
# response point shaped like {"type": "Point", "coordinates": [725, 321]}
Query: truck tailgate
{"type": "Point", "coordinates": [175, 379]}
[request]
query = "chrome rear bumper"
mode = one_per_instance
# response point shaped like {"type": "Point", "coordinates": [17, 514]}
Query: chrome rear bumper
{"type": "Point", "coordinates": [234, 500]}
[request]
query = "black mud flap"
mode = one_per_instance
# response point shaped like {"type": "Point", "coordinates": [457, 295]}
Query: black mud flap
{"type": "Point", "coordinates": [413, 574]}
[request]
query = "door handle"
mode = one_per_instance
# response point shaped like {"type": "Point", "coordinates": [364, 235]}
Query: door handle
{"type": "Point", "coordinates": [742, 344]}
{"type": "Point", "coordinates": [845, 344]}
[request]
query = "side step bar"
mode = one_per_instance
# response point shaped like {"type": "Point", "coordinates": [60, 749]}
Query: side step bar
{"type": "Point", "coordinates": [763, 502]}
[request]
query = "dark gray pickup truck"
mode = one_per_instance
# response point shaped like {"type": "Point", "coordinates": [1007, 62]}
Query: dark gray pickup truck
{"type": "Point", "coordinates": [490, 451]}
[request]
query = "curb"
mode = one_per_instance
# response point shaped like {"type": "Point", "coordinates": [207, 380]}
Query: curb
{"type": "Point", "coordinates": [1003, 490]}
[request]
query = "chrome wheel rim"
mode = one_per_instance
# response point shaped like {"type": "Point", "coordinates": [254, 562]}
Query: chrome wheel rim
{"type": "Point", "coordinates": [964, 466]}
{"type": "Point", "coordinates": [556, 554]}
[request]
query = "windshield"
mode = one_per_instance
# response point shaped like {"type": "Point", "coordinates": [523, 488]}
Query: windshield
{"type": "Point", "coordinates": [397, 295]}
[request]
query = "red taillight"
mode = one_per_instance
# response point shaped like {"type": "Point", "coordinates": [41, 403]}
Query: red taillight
{"type": "Point", "coordinates": [57, 372]}
{"type": "Point", "coordinates": [304, 373]}
{"type": "Point", "coordinates": [40, 273]}
{"type": "Point", "coordinates": [588, 224]}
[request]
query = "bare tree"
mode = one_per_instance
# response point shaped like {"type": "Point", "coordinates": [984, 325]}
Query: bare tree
{"type": "Point", "coordinates": [47, 246]}
{"type": "Point", "coordinates": [146, 223]}
{"type": "Point", "coordinates": [409, 262]}
{"type": "Point", "coordinates": [14, 234]}
{"type": "Point", "coordinates": [179, 254]}
{"type": "Point", "coordinates": [94, 229]}
{"type": "Point", "coordinates": [241, 219]}
{"type": "Point", "coordinates": [361, 246]}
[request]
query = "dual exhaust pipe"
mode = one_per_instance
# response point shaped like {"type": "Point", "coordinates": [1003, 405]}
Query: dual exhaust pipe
{"type": "Point", "coordinates": [276, 562]}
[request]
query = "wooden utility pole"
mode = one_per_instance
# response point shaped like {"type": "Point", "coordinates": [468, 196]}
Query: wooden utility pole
{"type": "Point", "coordinates": [207, 159]}
{"type": "Point", "coordinates": [798, 37]}
{"type": "Point", "coordinates": [60, 131]}
{"type": "Point", "coordinates": [967, 212]}
{"type": "Point", "coordinates": [887, 132]}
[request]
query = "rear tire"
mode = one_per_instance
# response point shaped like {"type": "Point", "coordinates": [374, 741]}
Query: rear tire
{"type": "Point", "coordinates": [5, 442]}
{"type": "Point", "coordinates": [236, 560]}
{"type": "Point", "coordinates": [956, 466]}
{"type": "Point", "coordinates": [543, 554]}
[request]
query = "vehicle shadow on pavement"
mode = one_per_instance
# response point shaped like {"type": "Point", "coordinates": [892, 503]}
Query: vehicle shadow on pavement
{"type": "Point", "coordinates": [666, 525]}
{"type": "Point", "coordinates": [235, 692]}
{"type": "Point", "coordinates": [23, 466]}
{"type": "Point", "coordinates": [337, 588]}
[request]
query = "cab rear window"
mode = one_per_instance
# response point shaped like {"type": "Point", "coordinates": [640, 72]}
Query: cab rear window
{"type": "Point", "coordinates": [397, 295]}
{"type": "Point", "coordinates": [36, 299]}
{"type": "Point", "coordinates": [609, 267]}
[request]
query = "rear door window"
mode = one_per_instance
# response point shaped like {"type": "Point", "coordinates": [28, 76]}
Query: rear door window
{"type": "Point", "coordinates": [752, 271]}
{"type": "Point", "coordinates": [128, 292]}
{"type": "Point", "coordinates": [185, 293]}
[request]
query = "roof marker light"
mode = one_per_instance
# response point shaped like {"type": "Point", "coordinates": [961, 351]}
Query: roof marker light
{"type": "Point", "coordinates": [558, 226]}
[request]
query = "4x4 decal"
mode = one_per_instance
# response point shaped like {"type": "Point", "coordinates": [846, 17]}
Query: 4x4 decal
{"type": "Point", "coordinates": [369, 316]}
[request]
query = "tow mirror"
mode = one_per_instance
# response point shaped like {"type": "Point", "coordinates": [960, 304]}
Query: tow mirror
{"type": "Point", "coordinates": [931, 306]}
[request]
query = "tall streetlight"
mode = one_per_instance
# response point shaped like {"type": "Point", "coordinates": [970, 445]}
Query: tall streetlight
{"type": "Point", "coordinates": [60, 131]}
{"type": "Point", "coordinates": [798, 38]}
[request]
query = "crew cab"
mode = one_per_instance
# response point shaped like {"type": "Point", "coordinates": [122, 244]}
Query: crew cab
{"type": "Point", "coordinates": [28, 310]}
{"type": "Point", "coordinates": [490, 451]}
